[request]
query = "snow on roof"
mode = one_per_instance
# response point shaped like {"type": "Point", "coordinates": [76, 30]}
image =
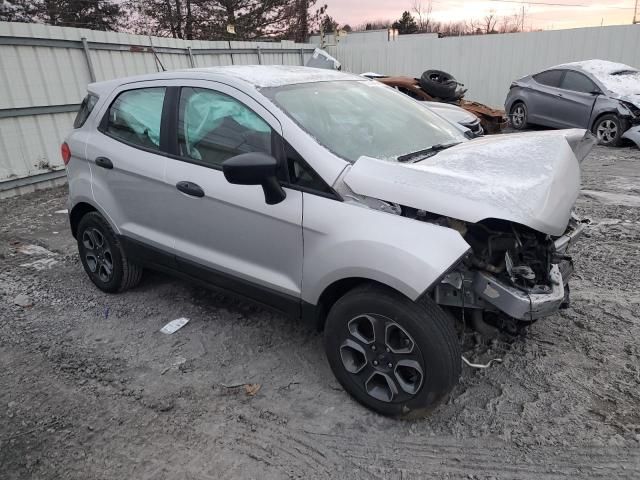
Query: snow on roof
{"type": "Point", "coordinates": [278, 75]}
{"type": "Point", "coordinates": [625, 84]}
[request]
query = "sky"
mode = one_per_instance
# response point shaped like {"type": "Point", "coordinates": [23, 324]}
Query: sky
{"type": "Point", "coordinates": [587, 14]}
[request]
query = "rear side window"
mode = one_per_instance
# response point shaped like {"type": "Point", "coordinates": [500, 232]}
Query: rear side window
{"type": "Point", "coordinates": [135, 117]}
{"type": "Point", "coordinates": [85, 110]}
{"type": "Point", "coordinates": [578, 83]}
{"type": "Point", "coordinates": [550, 78]}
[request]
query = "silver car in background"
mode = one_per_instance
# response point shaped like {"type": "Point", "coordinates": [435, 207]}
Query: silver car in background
{"type": "Point", "coordinates": [597, 95]}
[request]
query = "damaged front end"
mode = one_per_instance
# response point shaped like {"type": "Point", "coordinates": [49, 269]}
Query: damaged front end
{"type": "Point", "coordinates": [513, 269]}
{"type": "Point", "coordinates": [510, 198]}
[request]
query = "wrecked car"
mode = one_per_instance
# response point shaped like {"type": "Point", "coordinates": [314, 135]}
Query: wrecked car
{"type": "Point", "coordinates": [492, 120]}
{"type": "Point", "coordinates": [331, 198]}
{"type": "Point", "coordinates": [597, 95]}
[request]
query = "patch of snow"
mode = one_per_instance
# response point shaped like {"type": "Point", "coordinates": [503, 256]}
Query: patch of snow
{"type": "Point", "coordinates": [279, 75]}
{"type": "Point", "coordinates": [33, 250]}
{"type": "Point", "coordinates": [626, 84]}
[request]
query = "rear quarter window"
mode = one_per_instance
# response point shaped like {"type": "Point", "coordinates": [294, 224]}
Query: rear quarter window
{"type": "Point", "coordinates": [85, 110]}
{"type": "Point", "coordinates": [550, 78]}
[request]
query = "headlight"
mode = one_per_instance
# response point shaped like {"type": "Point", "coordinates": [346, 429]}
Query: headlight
{"type": "Point", "coordinates": [635, 111]}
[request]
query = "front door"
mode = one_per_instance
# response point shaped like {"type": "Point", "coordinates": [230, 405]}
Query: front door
{"type": "Point", "coordinates": [576, 99]}
{"type": "Point", "coordinates": [224, 233]}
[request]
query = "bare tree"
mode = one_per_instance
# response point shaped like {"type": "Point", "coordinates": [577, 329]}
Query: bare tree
{"type": "Point", "coordinates": [490, 21]}
{"type": "Point", "coordinates": [423, 13]}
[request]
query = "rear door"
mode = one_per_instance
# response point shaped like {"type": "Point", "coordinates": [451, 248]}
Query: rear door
{"type": "Point", "coordinates": [576, 100]}
{"type": "Point", "coordinates": [227, 234]}
{"type": "Point", "coordinates": [128, 163]}
{"type": "Point", "coordinates": [543, 104]}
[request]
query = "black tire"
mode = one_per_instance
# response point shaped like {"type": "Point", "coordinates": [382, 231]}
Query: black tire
{"type": "Point", "coordinates": [608, 129]}
{"type": "Point", "coordinates": [416, 345]}
{"type": "Point", "coordinates": [103, 257]}
{"type": "Point", "coordinates": [519, 116]}
{"type": "Point", "coordinates": [438, 84]}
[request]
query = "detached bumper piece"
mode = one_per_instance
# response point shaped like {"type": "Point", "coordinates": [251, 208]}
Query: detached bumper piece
{"type": "Point", "coordinates": [633, 134]}
{"type": "Point", "coordinates": [518, 304]}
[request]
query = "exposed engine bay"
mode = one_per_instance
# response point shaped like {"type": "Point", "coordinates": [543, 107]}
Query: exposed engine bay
{"type": "Point", "coordinates": [511, 268]}
{"type": "Point", "coordinates": [515, 254]}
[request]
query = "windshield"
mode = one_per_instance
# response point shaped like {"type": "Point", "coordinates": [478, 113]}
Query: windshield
{"type": "Point", "coordinates": [353, 118]}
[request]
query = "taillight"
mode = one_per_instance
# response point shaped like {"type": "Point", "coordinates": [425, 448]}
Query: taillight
{"type": "Point", "coordinates": [66, 153]}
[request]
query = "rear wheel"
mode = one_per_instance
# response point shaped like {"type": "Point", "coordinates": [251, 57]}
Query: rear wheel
{"type": "Point", "coordinates": [397, 357]}
{"type": "Point", "coordinates": [103, 257]}
{"type": "Point", "coordinates": [609, 129]}
{"type": "Point", "coordinates": [518, 116]}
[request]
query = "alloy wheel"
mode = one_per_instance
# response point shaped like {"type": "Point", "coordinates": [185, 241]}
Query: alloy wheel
{"type": "Point", "coordinates": [97, 254]}
{"type": "Point", "coordinates": [383, 358]}
{"type": "Point", "coordinates": [518, 116]}
{"type": "Point", "coordinates": [607, 131]}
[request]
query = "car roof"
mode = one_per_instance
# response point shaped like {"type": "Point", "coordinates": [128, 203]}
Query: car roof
{"type": "Point", "coordinates": [258, 76]}
{"type": "Point", "coordinates": [596, 67]}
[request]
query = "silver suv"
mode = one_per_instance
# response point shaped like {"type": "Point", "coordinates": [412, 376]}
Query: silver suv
{"type": "Point", "coordinates": [332, 198]}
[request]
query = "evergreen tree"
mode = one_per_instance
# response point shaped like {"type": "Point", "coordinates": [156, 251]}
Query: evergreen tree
{"type": "Point", "coordinates": [406, 24]}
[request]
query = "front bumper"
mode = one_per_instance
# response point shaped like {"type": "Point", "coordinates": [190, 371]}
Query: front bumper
{"type": "Point", "coordinates": [633, 134]}
{"type": "Point", "coordinates": [518, 304]}
{"type": "Point", "coordinates": [481, 290]}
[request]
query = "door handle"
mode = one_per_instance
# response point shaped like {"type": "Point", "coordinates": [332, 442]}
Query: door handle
{"type": "Point", "coordinates": [104, 162]}
{"type": "Point", "coordinates": [190, 188]}
{"type": "Point", "coordinates": [560, 95]}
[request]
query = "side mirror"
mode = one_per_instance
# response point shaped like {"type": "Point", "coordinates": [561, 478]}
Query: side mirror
{"type": "Point", "coordinates": [255, 169]}
{"type": "Point", "coordinates": [595, 92]}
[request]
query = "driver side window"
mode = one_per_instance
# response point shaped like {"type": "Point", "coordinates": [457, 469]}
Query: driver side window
{"type": "Point", "coordinates": [213, 127]}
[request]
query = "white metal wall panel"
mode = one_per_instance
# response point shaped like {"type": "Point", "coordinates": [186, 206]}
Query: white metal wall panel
{"type": "Point", "coordinates": [31, 144]}
{"type": "Point", "coordinates": [40, 76]}
{"type": "Point", "coordinates": [487, 64]}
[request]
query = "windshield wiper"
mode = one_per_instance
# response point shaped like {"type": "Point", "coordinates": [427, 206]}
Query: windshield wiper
{"type": "Point", "coordinates": [427, 152]}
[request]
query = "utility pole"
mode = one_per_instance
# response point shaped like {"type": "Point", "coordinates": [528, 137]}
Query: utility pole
{"type": "Point", "coordinates": [635, 13]}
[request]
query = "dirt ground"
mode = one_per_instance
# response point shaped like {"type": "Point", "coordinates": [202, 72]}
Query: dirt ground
{"type": "Point", "coordinates": [90, 389]}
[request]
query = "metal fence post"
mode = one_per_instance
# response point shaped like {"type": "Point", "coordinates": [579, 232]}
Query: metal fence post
{"type": "Point", "coordinates": [259, 55]}
{"type": "Point", "coordinates": [302, 56]}
{"type": "Point", "coordinates": [87, 54]}
{"type": "Point", "coordinates": [191, 59]}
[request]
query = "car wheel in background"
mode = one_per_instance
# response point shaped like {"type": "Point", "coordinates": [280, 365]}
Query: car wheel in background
{"type": "Point", "coordinates": [609, 129]}
{"type": "Point", "coordinates": [397, 357]}
{"type": "Point", "coordinates": [518, 116]}
{"type": "Point", "coordinates": [103, 257]}
{"type": "Point", "coordinates": [438, 84]}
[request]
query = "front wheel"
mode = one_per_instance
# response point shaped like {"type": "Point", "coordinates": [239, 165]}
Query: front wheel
{"type": "Point", "coordinates": [609, 129]}
{"type": "Point", "coordinates": [397, 357]}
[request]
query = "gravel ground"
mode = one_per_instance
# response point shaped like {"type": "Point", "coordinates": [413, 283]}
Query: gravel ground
{"type": "Point", "coordinates": [89, 388]}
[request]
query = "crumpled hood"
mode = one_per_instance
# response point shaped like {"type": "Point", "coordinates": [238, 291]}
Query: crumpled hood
{"type": "Point", "coordinates": [530, 178]}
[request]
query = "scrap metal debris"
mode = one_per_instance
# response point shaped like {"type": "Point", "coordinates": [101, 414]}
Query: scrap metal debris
{"type": "Point", "coordinates": [251, 389]}
{"type": "Point", "coordinates": [481, 365]}
{"type": "Point", "coordinates": [174, 325]}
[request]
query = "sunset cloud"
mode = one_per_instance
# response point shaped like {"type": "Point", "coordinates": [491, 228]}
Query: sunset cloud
{"type": "Point", "coordinates": [583, 13]}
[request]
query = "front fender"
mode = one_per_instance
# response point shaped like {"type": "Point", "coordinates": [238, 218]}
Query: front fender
{"type": "Point", "coordinates": [346, 240]}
